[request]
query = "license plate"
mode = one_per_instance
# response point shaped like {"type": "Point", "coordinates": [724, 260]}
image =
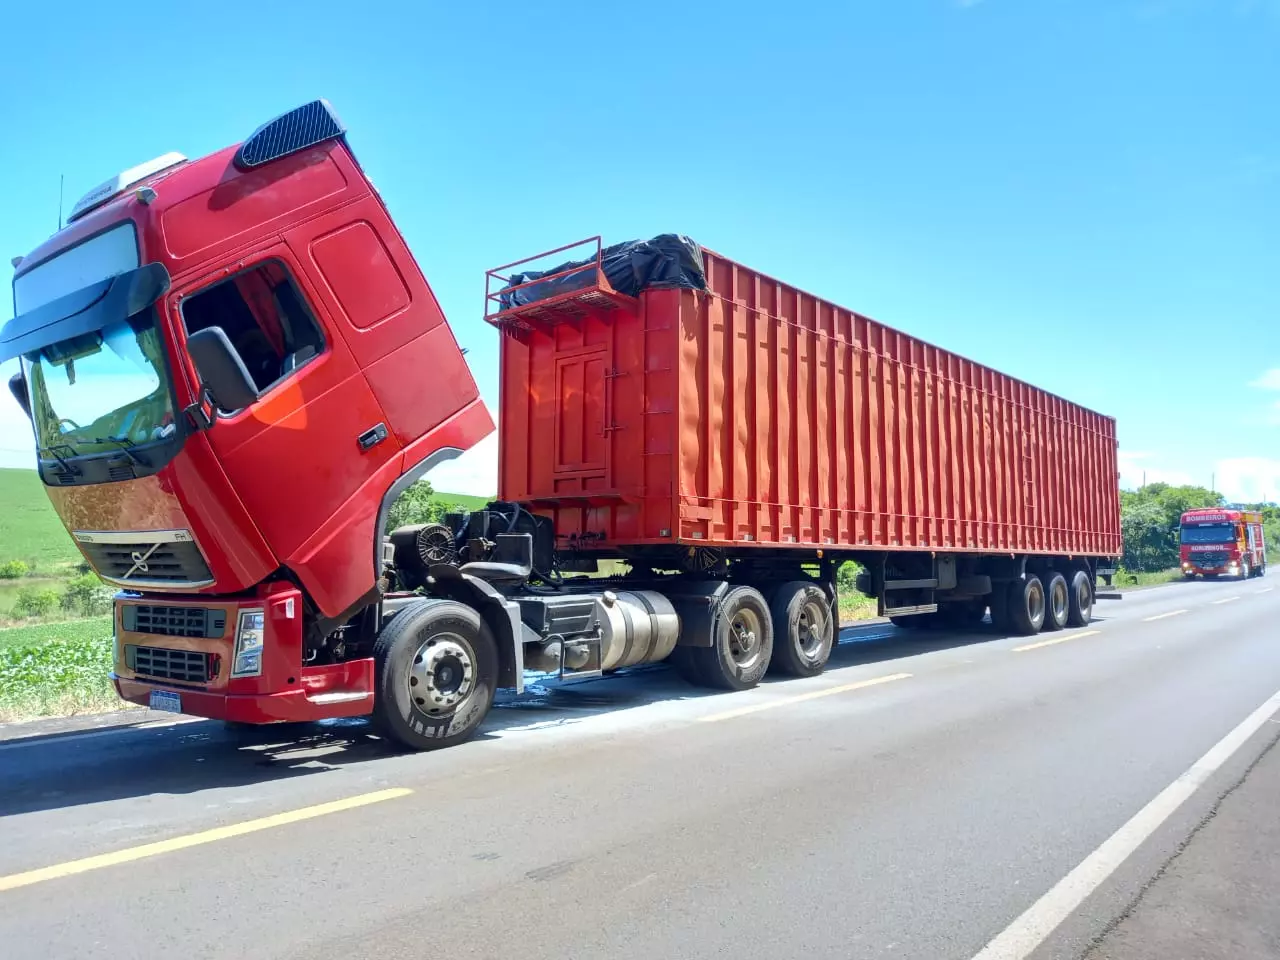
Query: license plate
{"type": "Point", "coordinates": [166, 701]}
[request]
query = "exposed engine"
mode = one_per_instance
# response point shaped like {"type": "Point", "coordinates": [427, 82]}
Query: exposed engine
{"type": "Point", "coordinates": [470, 537]}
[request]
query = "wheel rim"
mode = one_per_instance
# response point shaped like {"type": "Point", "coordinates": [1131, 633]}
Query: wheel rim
{"type": "Point", "coordinates": [811, 630]}
{"type": "Point", "coordinates": [745, 638]}
{"type": "Point", "coordinates": [1035, 602]}
{"type": "Point", "coordinates": [442, 674]}
{"type": "Point", "coordinates": [1084, 596]}
{"type": "Point", "coordinates": [1059, 601]}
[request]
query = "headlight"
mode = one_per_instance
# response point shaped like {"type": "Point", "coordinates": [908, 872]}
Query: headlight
{"type": "Point", "coordinates": [248, 661]}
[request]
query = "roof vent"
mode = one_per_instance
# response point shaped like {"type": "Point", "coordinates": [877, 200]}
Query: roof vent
{"type": "Point", "coordinates": [303, 127]}
{"type": "Point", "coordinates": [122, 182]}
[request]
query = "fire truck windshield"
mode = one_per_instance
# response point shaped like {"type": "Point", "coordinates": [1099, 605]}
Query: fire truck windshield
{"type": "Point", "coordinates": [101, 391]}
{"type": "Point", "coordinates": [1209, 533]}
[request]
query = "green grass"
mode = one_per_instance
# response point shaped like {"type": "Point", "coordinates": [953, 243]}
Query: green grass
{"type": "Point", "coordinates": [29, 529]}
{"type": "Point", "coordinates": [56, 669]}
{"type": "Point", "coordinates": [464, 500]}
{"type": "Point", "coordinates": [1127, 580]}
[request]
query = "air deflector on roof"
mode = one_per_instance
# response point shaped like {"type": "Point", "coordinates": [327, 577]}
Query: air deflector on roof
{"type": "Point", "coordinates": [302, 127]}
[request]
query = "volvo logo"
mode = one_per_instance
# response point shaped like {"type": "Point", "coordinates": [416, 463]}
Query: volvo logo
{"type": "Point", "coordinates": [139, 559]}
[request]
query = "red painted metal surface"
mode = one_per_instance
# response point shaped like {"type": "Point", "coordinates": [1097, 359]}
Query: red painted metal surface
{"type": "Point", "coordinates": [757, 414]}
{"type": "Point", "coordinates": [1246, 542]}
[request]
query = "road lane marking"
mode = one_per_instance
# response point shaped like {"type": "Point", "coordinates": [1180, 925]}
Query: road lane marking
{"type": "Point", "coordinates": [1033, 927]}
{"type": "Point", "coordinates": [1049, 643]}
{"type": "Point", "coordinates": [73, 867]}
{"type": "Point", "coordinates": [801, 698]}
{"type": "Point", "coordinates": [1226, 600]}
{"type": "Point", "coordinates": [1162, 616]}
{"type": "Point", "coordinates": [1266, 589]}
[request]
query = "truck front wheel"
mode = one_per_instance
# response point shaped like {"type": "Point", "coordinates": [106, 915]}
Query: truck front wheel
{"type": "Point", "coordinates": [1026, 606]}
{"type": "Point", "coordinates": [436, 668]}
{"type": "Point", "coordinates": [803, 629]}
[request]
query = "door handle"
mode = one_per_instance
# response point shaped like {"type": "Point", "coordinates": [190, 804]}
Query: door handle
{"type": "Point", "coordinates": [372, 437]}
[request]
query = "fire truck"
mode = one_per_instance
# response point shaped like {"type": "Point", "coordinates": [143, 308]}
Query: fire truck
{"type": "Point", "coordinates": [1222, 543]}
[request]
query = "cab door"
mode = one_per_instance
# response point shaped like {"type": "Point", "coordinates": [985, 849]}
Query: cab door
{"type": "Point", "coordinates": [316, 434]}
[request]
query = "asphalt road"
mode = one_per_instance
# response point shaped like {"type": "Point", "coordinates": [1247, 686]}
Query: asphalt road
{"type": "Point", "coordinates": [929, 795]}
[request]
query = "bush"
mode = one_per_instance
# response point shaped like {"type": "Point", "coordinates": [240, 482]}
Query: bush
{"type": "Point", "coordinates": [35, 602]}
{"type": "Point", "coordinates": [87, 596]}
{"type": "Point", "coordinates": [14, 570]}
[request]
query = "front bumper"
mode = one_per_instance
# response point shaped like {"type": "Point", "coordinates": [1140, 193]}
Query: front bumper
{"type": "Point", "coordinates": [320, 693]}
{"type": "Point", "coordinates": [186, 647]}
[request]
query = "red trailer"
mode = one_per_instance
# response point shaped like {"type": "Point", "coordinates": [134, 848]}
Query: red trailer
{"type": "Point", "coordinates": [234, 366]}
{"type": "Point", "coordinates": [753, 413]}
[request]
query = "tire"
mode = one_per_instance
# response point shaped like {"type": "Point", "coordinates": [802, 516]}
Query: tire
{"type": "Point", "coordinates": [435, 672]}
{"type": "Point", "coordinates": [741, 643]}
{"type": "Point", "coordinates": [1057, 601]}
{"type": "Point", "coordinates": [1080, 600]}
{"type": "Point", "coordinates": [804, 630]}
{"type": "Point", "coordinates": [1246, 571]}
{"type": "Point", "coordinates": [963, 615]}
{"type": "Point", "coordinates": [1026, 606]}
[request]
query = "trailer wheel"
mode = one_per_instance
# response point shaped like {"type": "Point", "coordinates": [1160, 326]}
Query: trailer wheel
{"type": "Point", "coordinates": [1026, 606]}
{"type": "Point", "coordinates": [1057, 601]}
{"type": "Point", "coordinates": [436, 668]}
{"type": "Point", "coordinates": [804, 629]}
{"type": "Point", "coordinates": [1080, 600]}
{"type": "Point", "coordinates": [742, 643]}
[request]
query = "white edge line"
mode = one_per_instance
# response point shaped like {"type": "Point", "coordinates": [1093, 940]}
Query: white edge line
{"type": "Point", "coordinates": [1226, 600]}
{"type": "Point", "coordinates": [1031, 929]}
{"type": "Point", "coordinates": [1163, 616]}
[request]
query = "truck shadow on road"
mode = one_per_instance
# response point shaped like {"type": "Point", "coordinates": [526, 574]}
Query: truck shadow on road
{"type": "Point", "coordinates": [125, 763]}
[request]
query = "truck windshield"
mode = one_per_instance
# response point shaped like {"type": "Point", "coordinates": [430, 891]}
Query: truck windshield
{"type": "Point", "coordinates": [1209, 533]}
{"type": "Point", "coordinates": [101, 391]}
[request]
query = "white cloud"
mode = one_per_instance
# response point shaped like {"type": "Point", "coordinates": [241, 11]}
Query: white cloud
{"type": "Point", "coordinates": [1249, 479]}
{"type": "Point", "coordinates": [1137, 468]}
{"type": "Point", "coordinates": [475, 472]}
{"type": "Point", "coordinates": [1269, 380]}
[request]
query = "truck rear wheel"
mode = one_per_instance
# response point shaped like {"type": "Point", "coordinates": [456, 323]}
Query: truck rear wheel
{"type": "Point", "coordinates": [436, 669]}
{"type": "Point", "coordinates": [803, 629]}
{"type": "Point", "coordinates": [1057, 603]}
{"type": "Point", "coordinates": [741, 643]}
{"type": "Point", "coordinates": [1080, 600]}
{"type": "Point", "coordinates": [1026, 606]}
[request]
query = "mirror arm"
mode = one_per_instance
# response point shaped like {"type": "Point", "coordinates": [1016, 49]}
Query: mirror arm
{"type": "Point", "coordinates": [204, 412]}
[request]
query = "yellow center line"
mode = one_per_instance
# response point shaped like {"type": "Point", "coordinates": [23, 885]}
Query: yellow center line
{"type": "Point", "coordinates": [1062, 639]}
{"type": "Point", "coordinates": [1227, 600]}
{"type": "Point", "coordinates": [1161, 616]}
{"type": "Point", "coordinates": [801, 698]}
{"type": "Point", "coordinates": [73, 867]}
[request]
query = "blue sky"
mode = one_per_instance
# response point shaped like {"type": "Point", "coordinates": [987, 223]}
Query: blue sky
{"type": "Point", "coordinates": [1082, 193]}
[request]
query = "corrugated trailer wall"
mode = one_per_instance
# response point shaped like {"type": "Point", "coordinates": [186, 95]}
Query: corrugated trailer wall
{"type": "Point", "coordinates": [757, 414]}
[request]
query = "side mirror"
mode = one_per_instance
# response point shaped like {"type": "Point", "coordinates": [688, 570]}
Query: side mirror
{"type": "Point", "coordinates": [222, 372]}
{"type": "Point", "coordinates": [18, 387]}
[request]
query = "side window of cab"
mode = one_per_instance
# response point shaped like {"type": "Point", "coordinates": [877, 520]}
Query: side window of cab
{"type": "Point", "coordinates": [264, 316]}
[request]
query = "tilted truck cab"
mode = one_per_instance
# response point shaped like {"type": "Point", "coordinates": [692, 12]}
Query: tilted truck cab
{"type": "Point", "coordinates": [233, 366]}
{"type": "Point", "coordinates": [256, 527]}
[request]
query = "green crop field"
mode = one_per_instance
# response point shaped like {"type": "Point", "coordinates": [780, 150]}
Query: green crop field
{"type": "Point", "coordinates": [56, 669]}
{"type": "Point", "coordinates": [29, 529]}
{"type": "Point", "coordinates": [463, 500]}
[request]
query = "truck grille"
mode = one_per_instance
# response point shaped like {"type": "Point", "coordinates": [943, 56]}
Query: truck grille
{"type": "Point", "coordinates": [1209, 559]}
{"type": "Point", "coordinates": [173, 621]}
{"type": "Point", "coordinates": [181, 666]}
{"type": "Point", "coordinates": [146, 558]}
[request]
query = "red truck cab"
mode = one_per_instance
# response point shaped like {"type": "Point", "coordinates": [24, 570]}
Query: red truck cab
{"type": "Point", "coordinates": [1217, 542]}
{"type": "Point", "coordinates": [243, 551]}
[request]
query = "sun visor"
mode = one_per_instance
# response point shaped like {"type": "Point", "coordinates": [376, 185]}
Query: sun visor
{"type": "Point", "coordinates": [87, 310]}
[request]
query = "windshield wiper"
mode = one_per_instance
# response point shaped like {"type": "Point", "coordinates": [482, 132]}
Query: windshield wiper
{"type": "Point", "coordinates": [53, 452]}
{"type": "Point", "coordinates": [125, 444]}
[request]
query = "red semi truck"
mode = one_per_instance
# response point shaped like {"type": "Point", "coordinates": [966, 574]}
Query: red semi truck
{"type": "Point", "coordinates": [234, 366]}
{"type": "Point", "coordinates": [1219, 542]}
